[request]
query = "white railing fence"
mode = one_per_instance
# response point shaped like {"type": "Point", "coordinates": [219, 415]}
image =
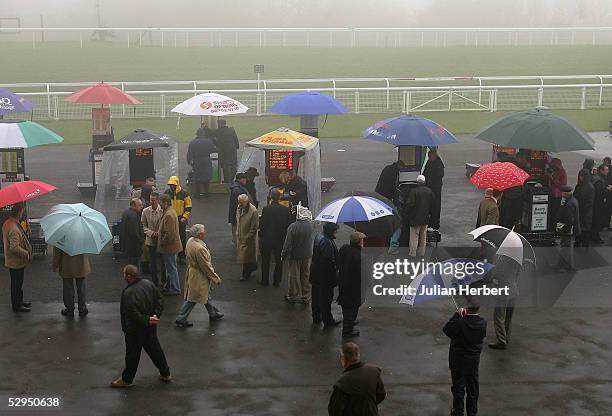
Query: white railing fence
{"type": "Point", "coordinates": [359, 95]}
{"type": "Point", "coordinates": [309, 37]}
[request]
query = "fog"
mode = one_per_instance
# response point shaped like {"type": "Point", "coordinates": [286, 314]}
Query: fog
{"type": "Point", "coordinates": [309, 13]}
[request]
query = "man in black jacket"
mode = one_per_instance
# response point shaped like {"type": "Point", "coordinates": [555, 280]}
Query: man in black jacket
{"type": "Point", "coordinates": [418, 208]}
{"type": "Point", "coordinates": [323, 275]}
{"type": "Point", "coordinates": [350, 295]}
{"type": "Point", "coordinates": [585, 195]}
{"type": "Point", "coordinates": [141, 309]}
{"type": "Point", "coordinates": [131, 235]}
{"type": "Point", "coordinates": [275, 218]}
{"type": "Point", "coordinates": [238, 187]}
{"type": "Point", "coordinates": [360, 389]}
{"type": "Point", "coordinates": [599, 204]}
{"type": "Point", "coordinates": [388, 180]}
{"type": "Point", "coordinates": [227, 143]}
{"type": "Point", "coordinates": [466, 330]}
{"type": "Point", "coordinates": [298, 189]}
{"type": "Point", "coordinates": [434, 172]}
{"type": "Point", "coordinates": [568, 226]}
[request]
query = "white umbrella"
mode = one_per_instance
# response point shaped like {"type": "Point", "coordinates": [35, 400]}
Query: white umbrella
{"type": "Point", "coordinates": [210, 104]}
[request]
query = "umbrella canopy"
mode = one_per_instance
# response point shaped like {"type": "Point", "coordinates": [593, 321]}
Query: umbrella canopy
{"type": "Point", "coordinates": [76, 229]}
{"type": "Point", "coordinates": [23, 134]}
{"type": "Point", "coordinates": [210, 104]}
{"type": "Point", "coordinates": [12, 103]}
{"type": "Point", "coordinates": [409, 130]}
{"type": "Point", "coordinates": [284, 139]}
{"type": "Point", "coordinates": [537, 130]}
{"type": "Point", "coordinates": [499, 175]}
{"type": "Point", "coordinates": [506, 243]}
{"type": "Point", "coordinates": [378, 227]}
{"type": "Point", "coordinates": [308, 104]}
{"type": "Point", "coordinates": [140, 138]}
{"type": "Point", "coordinates": [102, 93]}
{"type": "Point", "coordinates": [354, 209]}
{"type": "Point", "coordinates": [23, 191]}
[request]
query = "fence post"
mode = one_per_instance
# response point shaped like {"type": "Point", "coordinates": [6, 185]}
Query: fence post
{"type": "Point", "coordinates": [56, 109]}
{"type": "Point", "coordinates": [187, 39]}
{"type": "Point", "coordinates": [353, 38]}
{"type": "Point", "coordinates": [175, 43]}
{"type": "Point", "coordinates": [600, 91]}
{"type": "Point", "coordinates": [495, 100]}
{"type": "Point", "coordinates": [356, 101]}
{"type": "Point", "coordinates": [140, 39]}
{"type": "Point", "coordinates": [48, 101]}
{"type": "Point", "coordinates": [123, 105]}
{"type": "Point", "coordinates": [129, 41]}
{"type": "Point", "coordinates": [334, 87]}
{"type": "Point", "coordinates": [265, 96]}
{"type": "Point", "coordinates": [81, 39]}
{"type": "Point", "coordinates": [162, 105]}
{"type": "Point", "coordinates": [388, 93]}
{"type": "Point", "coordinates": [422, 39]}
{"type": "Point", "coordinates": [450, 99]}
{"type": "Point", "coordinates": [491, 100]}
{"type": "Point", "coordinates": [583, 99]}
{"type": "Point", "coordinates": [260, 40]}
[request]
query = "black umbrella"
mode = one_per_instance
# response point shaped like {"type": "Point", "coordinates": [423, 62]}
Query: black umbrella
{"type": "Point", "coordinates": [380, 227]}
{"type": "Point", "coordinates": [140, 138]}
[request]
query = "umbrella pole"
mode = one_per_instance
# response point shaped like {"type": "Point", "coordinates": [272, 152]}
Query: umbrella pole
{"type": "Point", "coordinates": [455, 302]}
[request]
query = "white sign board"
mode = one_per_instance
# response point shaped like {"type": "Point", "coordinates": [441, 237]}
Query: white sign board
{"type": "Point", "coordinates": [539, 217]}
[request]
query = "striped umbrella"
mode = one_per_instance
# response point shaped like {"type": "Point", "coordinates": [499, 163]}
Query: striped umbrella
{"type": "Point", "coordinates": [23, 134]}
{"type": "Point", "coordinates": [353, 209]}
{"type": "Point", "coordinates": [506, 243]}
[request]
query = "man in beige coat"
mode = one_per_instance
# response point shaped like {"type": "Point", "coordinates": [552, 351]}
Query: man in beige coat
{"type": "Point", "coordinates": [151, 217]}
{"type": "Point", "coordinates": [169, 245]}
{"type": "Point", "coordinates": [199, 278]}
{"type": "Point", "coordinates": [17, 255]}
{"type": "Point", "coordinates": [72, 270]}
{"type": "Point", "coordinates": [247, 225]}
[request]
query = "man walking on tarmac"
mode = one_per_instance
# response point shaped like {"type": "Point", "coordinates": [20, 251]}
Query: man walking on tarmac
{"type": "Point", "coordinates": [181, 202]}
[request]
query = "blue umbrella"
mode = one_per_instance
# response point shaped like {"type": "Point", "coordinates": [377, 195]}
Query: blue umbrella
{"type": "Point", "coordinates": [409, 130]}
{"type": "Point", "coordinates": [308, 104]}
{"type": "Point", "coordinates": [353, 209]}
{"type": "Point", "coordinates": [12, 103]}
{"type": "Point", "coordinates": [76, 229]}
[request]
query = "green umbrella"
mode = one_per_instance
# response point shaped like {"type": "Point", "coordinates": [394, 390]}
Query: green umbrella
{"type": "Point", "coordinates": [537, 130]}
{"type": "Point", "coordinates": [26, 134]}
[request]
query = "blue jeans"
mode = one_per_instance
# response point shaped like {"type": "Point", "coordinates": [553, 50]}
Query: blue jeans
{"type": "Point", "coordinates": [173, 285]}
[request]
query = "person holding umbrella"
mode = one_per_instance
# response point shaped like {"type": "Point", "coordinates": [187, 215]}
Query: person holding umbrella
{"type": "Point", "coordinates": [350, 294]}
{"type": "Point", "coordinates": [17, 255]}
{"type": "Point", "coordinates": [434, 172]}
{"type": "Point", "coordinates": [419, 206]}
{"type": "Point", "coordinates": [227, 142]}
{"type": "Point", "coordinates": [131, 235]}
{"type": "Point", "coordinates": [72, 270]}
{"type": "Point", "coordinates": [198, 157]}
{"type": "Point", "coordinates": [324, 275]}
{"type": "Point", "coordinates": [504, 275]}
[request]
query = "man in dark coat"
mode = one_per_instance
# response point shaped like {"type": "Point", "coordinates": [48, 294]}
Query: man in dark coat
{"type": "Point", "coordinates": [238, 187]}
{"type": "Point", "coordinates": [298, 189]}
{"type": "Point", "coordinates": [360, 389]}
{"type": "Point", "coordinates": [434, 172]}
{"type": "Point", "coordinates": [273, 224]}
{"type": "Point", "coordinates": [251, 174]}
{"type": "Point", "coordinates": [350, 291]}
{"type": "Point", "coordinates": [599, 204]}
{"type": "Point", "coordinates": [323, 275]}
{"type": "Point", "coordinates": [198, 156]}
{"type": "Point", "coordinates": [388, 180]}
{"type": "Point", "coordinates": [131, 234]}
{"type": "Point", "coordinates": [418, 208]}
{"type": "Point", "coordinates": [141, 307]}
{"type": "Point", "coordinates": [466, 330]}
{"type": "Point", "coordinates": [568, 226]}
{"type": "Point", "coordinates": [227, 143]}
{"type": "Point", "coordinates": [585, 195]}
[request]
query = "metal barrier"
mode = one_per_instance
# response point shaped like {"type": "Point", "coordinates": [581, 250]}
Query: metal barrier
{"type": "Point", "coordinates": [359, 95]}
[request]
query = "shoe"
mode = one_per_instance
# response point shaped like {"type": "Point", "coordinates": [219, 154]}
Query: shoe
{"type": "Point", "coordinates": [352, 334]}
{"type": "Point", "coordinates": [67, 313]}
{"type": "Point", "coordinates": [83, 312]}
{"type": "Point", "coordinates": [332, 324]}
{"type": "Point", "coordinates": [22, 309]}
{"type": "Point", "coordinates": [120, 383]}
{"type": "Point", "coordinates": [497, 346]}
{"type": "Point", "coordinates": [26, 304]}
{"type": "Point", "coordinates": [185, 324]}
{"type": "Point", "coordinates": [218, 316]}
{"type": "Point", "coordinates": [165, 379]}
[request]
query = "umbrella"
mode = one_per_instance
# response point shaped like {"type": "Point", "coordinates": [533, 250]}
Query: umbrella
{"type": "Point", "coordinates": [210, 104]}
{"type": "Point", "coordinates": [101, 93]}
{"type": "Point", "coordinates": [378, 227]}
{"type": "Point", "coordinates": [12, 103]}
{"type": "Point", "coordinates": [76, 229]}
{"type": "Point", "coordinates": [538, 130]}
{"type": "Point", "coordinates": [506, 243]}
{"type": "Point", "coordinates": [308, 104]}
{"type": "Point", "coordinates": [140, 138]}
{"type": "Point", "coordinates": [22, 134]}
{"type": "Point", "coordinates": [409, 130]}
{"type": "Point", "coordinates": [499, 175]}
{"type": "Point", "coordinates": [354, 209]}
{"type": "Point", "coordinates": [284, 139]}
{"type": "Point", "coordinates": [23, 191]}
{"type": "Point", "coordinates": [441, 276]}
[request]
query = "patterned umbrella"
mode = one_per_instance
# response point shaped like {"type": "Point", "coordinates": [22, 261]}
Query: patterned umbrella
{"type": "Point", "coordinates": [210, 104]}
{"type": "Point", "coordinates": [12, 103]}
{"type": "Point", "coordinates": [23, 191]}
{"type": "Point", "coordinates": [499, 175]}
{"type": "Point", "coordinates": [24, 134]}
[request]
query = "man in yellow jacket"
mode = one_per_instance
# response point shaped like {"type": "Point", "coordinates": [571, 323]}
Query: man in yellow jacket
{"type": "Point", "coordinates": [181, 202]}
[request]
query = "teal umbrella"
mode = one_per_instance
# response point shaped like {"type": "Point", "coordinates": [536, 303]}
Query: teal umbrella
{"type": "Point", "coordinates": [25, 134]}
{"type": "Point", "coordinates": [76, 229]}
{"type": "Point", "coordinates": [537, 130]}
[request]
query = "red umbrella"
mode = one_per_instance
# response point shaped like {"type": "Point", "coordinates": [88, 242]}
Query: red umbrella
{"type": "Point", "coordinates": [23, 191]}
{"type": "Point", "coordinates": [499, 175]}
{"type": "Point", "coordinates": [101, 94]}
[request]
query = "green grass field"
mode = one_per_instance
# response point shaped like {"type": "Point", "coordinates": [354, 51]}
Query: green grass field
{"type": "Point", "coordinates": [68, 63]}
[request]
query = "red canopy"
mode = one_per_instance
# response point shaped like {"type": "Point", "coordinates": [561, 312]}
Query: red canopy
{"type": "Point", "coordinates": [101, 94]}
{"type": "Point", "coordinates": [499, 175]}
{"type": "Point", "coordinates": [23, 191]}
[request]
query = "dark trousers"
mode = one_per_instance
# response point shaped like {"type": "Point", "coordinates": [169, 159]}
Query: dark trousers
{"type": "Point", "coordinates": [157, 273]}
{"type": "Point", "coordinates": [465, 389]}
{"type": "Point", "coordinates": [135, 341]}
{"type": "Point", "coordinates": [555, 204]}
{"type": "Point", "coordinates": [229, 167]}
{"type": "Point", "coordinates": [16, 287]}
{"type": "Point", "coordinates": [434, 220]}
{"type": "Point", "coordinates": [247, 269]}
{"type": "Point", "coordinates": [322, 297]}
{"type": "Point", "coordinates": [68, 293]}
{"type": "Point", "coordinates": [267, 251]}
{"type": "Point", "coordinates": [183, 235]}
{"type": "Point", "coordinates": [349, 315]}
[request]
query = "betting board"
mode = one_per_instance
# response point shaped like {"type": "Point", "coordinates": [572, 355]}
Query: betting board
{"type": "Point", "coordinates": [141, 165]}
{"type": "Point", "coordinates": [278, 161]}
